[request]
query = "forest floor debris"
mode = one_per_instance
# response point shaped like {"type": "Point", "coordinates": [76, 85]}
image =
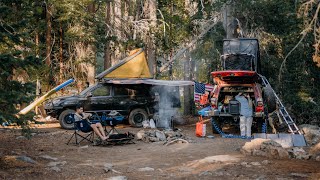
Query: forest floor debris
{"type": "Point", "coordinates": [201, 158]}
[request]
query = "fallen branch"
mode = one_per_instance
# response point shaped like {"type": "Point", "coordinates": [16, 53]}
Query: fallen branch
{"type": "Point", "coordinates": [173, 141]}
{"type": "Point", "coordinates": [115, 171]}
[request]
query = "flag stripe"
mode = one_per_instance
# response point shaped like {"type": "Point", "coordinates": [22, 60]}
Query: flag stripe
{"type": "Point", "coordinates": [200, 89]}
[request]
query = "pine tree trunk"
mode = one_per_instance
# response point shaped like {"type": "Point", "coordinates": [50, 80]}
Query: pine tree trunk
{"type": "Point", "coordinates": [136, 18]}
{"type": "Point", "coordinates": [48, 35]}
{"type": "Point", "coordinates": [187, 90]}
{"type": "Point", "coordinates": [37, 43]}
{"type": "Point", "coordinates": [117, 28]}
{"type": "Point", "coordinates": [227, 20]}
{"type": "Point", "coordinates": [91, 74]}
{"type": "Point", "coordinates": [151, 13]}
{"type": "Point", "coordinates": [107, 53]}
{"type": "Point", "coordinates": [91, 49]}
{"type": "Point", "coordinates": [61, 54]}
{"type": "Point", "coordinates": [125, 11]}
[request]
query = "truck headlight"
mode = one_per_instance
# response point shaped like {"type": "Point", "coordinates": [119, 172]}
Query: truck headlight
{"type": "Point", "coordinates": [69, 102]}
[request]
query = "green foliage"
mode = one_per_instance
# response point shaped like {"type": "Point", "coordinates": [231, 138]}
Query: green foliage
{"type": "Point", "coordinates": [274, 16]}
{"type": "Point", "coordinates": [207, 54]}
{"type": "Point", "coordinates": [278, 28]}
{"type": "Point", "coordinates": [84, 36]}
{"type": "Point", "coordinates": [178, 22]}
{"type": "Point", "coordinates": [13, 92]}
{"type": "Point", "coordinates": [15, 59]}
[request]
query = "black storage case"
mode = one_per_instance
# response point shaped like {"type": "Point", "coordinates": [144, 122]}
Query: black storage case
{"type": "Point", "coordinates": [234, 107]}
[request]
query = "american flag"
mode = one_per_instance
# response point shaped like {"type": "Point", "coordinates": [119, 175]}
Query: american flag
{"type": "Point", "coordinates": [200, 89]}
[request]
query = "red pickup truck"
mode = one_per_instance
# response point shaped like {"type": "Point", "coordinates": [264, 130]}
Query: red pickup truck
{"type": "Point", "coordinates": [241, 68]}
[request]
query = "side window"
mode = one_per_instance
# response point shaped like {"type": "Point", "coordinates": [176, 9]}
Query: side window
{"type": "Point", "coordinates": [239, 62]}
{"type": "Point", "coordinates": [102, 91]}
{"type": "Point", "coordinates": [132, 92]}
{"type": "Point", "coordinates": [120, 91]}
{"type": "Point", "coordinates": [139, 90]}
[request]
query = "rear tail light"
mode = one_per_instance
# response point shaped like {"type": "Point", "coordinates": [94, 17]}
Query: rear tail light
{"type": "Point", "coordinates": [259, 107]}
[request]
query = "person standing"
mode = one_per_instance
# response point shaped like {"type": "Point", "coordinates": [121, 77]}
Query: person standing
{"type": "Point", "coordinates": [246, 113]}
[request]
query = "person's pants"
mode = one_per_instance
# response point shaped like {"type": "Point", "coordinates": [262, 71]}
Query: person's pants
{"type": "Point", "coordinates": [245, 126]}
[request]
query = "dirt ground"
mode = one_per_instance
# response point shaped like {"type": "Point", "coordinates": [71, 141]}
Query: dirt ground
{"type": "Point", "coordinates": [201, 158]}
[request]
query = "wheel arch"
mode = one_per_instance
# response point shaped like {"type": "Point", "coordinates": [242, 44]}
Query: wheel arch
{"type": "Point", "coordinates": [147, 109]}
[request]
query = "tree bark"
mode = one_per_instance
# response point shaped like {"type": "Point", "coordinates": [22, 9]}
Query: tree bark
{"type": "Point", "coordinates": [136, 18]}
{"type": "Point", "coordinates": [228, 20]}
{"type": "Point", "coordinates": [61, 54]}
{"type": "Point", "coordinates": [187, 90]}
{"type": "Point", "coordinates": [48, 34]}
{"type": "Point", "coordinates": [107, 53]}
{"type": "Point", "coordinates": [91, 49]}
{"type": "Point", "coordinates": [37, 43]}
{"type": "Point", "coordinates": [117, 28]}
{"type": "Point", "coordinates": [150, 11]}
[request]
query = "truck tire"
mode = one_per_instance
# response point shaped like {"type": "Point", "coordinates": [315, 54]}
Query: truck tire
{"type": "Point", "coordinates": [137, 116]}
{"type": "Point", "coordinates": [257, 125]}
{"type": "Point", "coordinates": [66, 120]}
{"type": "Point", "coordinates": [269, 99]}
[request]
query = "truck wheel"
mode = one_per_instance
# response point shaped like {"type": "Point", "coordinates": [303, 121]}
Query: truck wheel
{"type": "Point", "coordinates": [257, 125]}
{"type": "Point", "coordinates": [66, 120]}
{"type": "Point", "coordinates": [269, 99]}
{"type": "Point", "coordinates": [137, 116]}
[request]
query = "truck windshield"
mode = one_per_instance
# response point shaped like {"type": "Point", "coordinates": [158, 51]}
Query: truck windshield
{"type": "Point", "coordinates": [84, 92]}
{"type": "Point", "coordinates": [238, 62]}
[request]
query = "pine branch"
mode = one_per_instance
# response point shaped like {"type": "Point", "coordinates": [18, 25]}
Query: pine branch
{"type": "Point", "coordinates": [304, 33]}
{"type": "Point", "coordinates": [181, 51]}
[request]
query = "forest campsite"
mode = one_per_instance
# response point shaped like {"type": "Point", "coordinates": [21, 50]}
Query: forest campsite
{"type": "Point", "coordinates": [159, 89]}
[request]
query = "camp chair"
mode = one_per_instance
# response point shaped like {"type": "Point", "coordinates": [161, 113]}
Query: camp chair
{"type": "Point", "coordinates": [82, 131]}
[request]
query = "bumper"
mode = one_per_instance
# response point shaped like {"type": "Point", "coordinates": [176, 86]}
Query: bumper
{"type": "Point", "coordinates": [216, 113]}
{"type": "Point", "coordinates": [53, 111]}
{"type": "Point", "coordinates": [258, 114]}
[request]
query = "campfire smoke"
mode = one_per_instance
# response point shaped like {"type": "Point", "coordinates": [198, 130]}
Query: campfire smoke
{"type": "Point", "coordinates": [167, 106]}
